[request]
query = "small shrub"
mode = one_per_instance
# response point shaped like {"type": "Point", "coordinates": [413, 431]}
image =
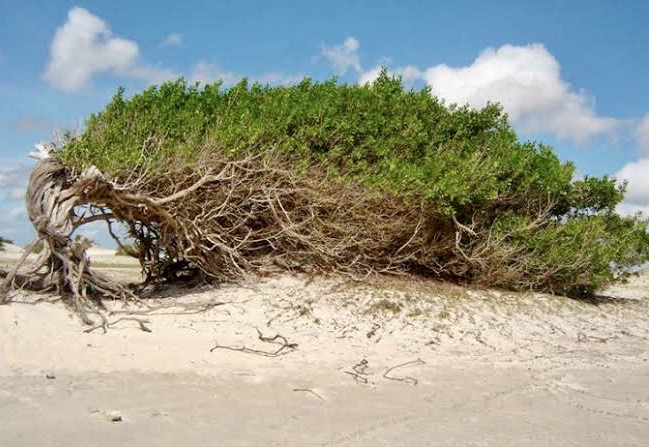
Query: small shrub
{"type": "Point", "coordinates": [359, 178]}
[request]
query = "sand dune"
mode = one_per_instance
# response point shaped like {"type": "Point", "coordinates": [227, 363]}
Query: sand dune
{"type": "Point", "coordinates": [384, 362]}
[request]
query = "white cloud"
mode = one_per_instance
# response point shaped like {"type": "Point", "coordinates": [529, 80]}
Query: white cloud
{"type": "Point", "coordinates": [527, 81]}
{"type": "Point", "coordinates": [369, 76]}
{"type": "Point", "coordinates": [343, 57]}
{"type": "Point", "coordinates": [642, 135]}
{"type": "Point", "coordinates": [84, 46]}
{"type": "Point", "coordinates": [629, 209]}
{"type": "Point", "coordinates": [637, 174]}
{"type": "Point", "coordinates": [173, 40]}
{"type": "Point", "coordinates": [637, 192]}
{"type": "Point", "coordinates": [409, 73]}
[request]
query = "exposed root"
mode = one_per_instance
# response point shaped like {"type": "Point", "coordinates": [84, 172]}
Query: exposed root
{"type": "Point", "coordinates": [225, 218]}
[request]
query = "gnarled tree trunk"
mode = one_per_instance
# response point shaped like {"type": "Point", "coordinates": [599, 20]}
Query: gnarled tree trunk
{"type": "Point", "coordinates": [62, 263]}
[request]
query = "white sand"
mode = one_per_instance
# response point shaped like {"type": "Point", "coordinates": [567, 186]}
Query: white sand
{"type": "Point", "coordinates": [491, 368]}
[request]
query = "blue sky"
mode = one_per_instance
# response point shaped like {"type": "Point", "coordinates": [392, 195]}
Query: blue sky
{"type": "Point", "coordinates": [570, 74]}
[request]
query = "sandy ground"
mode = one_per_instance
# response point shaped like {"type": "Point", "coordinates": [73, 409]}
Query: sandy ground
{"type": "Point", "coordinates": [384, 362]}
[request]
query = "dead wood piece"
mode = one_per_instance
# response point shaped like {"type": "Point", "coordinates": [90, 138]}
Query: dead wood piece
{"type": "Point", "coordinates": [372, 332]}
{"type": "Point", "coordinates": [309, 390]}
{"type": "Point", "coordinates": [284, 348]}
{"type": "Point", "coordinates": [581, 337]}
{"type": "Point", "coordinates": [106, 324]}
{"type": "Point", "coordinates": [405, 379]}
{"type": "Point", "coordinates": [359, 372]}
{"type": "Point", "coordinates": [187, 309]}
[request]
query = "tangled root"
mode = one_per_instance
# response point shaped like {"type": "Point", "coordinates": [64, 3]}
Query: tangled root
{"type": "Point", "coordinates": [223, 219]}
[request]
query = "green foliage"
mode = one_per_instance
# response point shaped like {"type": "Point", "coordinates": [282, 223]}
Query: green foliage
{"type": "Point", "coordinates": [407, 142]}
{"type": "Point", "coordinates": [459, 161]}
{"type": "Point", "coordinates": [579, 255]}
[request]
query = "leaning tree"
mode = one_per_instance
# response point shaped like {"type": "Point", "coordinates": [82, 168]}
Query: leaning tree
{"type": "Point", "coordinates": [320, 177]}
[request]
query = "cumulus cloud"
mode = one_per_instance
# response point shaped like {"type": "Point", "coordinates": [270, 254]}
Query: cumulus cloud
{"type": "Point", "coordinates": [343, 57]}
{"type": "Point", "coordinates": [84, 46]}
{"type": "Point", "coordinates": [173, 40]}
{"type": "Point", "coordinates": [369, 76]}
{"type": "Point", "coordinates": [637, 193]}
{"type": "Point", "coordinates": [526, 80]}
{"type": "Point", "coordinates": [642, 134]}
{"type": "Point", "coordinates": [635, 173]}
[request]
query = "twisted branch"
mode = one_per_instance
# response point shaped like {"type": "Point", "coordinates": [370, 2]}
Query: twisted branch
{"type": "Point", "coordinates": [226, 218]}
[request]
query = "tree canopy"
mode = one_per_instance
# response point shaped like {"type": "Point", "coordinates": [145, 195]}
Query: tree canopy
{"type": "Point", "coordinates": [490, 208]}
